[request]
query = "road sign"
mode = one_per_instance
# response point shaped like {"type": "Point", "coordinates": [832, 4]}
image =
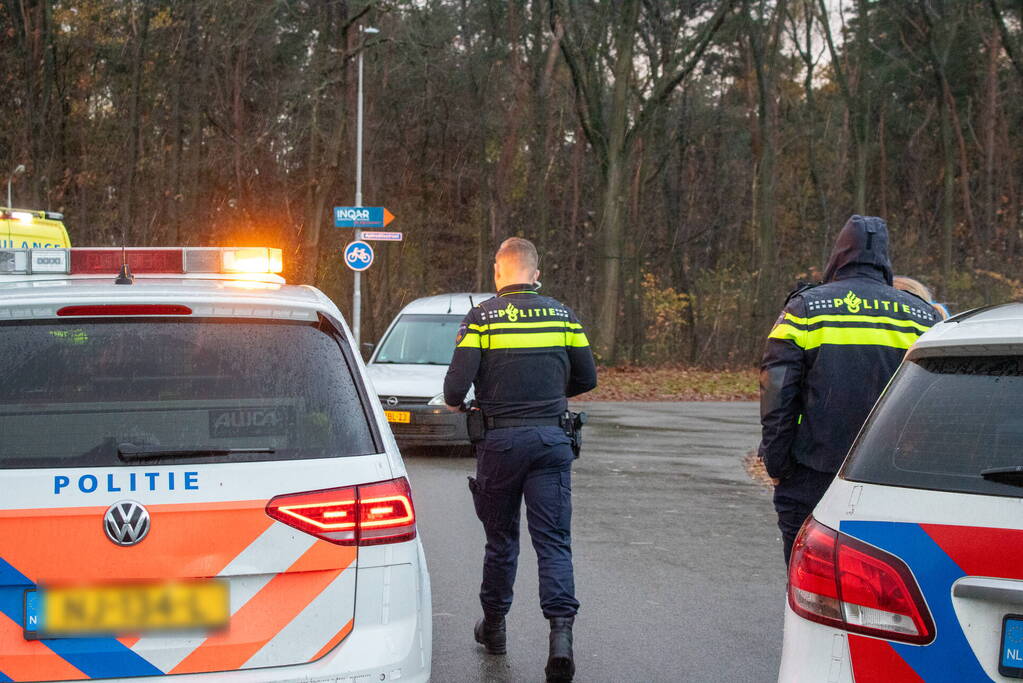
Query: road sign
{"type": "Point", "coordinates": [358, 256]}
{"type": "Point", "coordinates": [382, 236]}
{"type": "Point", "coordinates": [362, 217]}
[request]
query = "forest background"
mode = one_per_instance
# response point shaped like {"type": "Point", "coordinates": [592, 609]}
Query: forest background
{"type": "Point", "coordinates": [680, 163]}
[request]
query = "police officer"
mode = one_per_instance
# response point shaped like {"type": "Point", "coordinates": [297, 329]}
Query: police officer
{"type": "Point", "coordinates": [525, 353]}
{"type": "Point", "coordinates": [829, 356]}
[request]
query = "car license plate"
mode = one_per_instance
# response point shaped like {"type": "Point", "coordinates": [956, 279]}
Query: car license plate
{"type": "Point", "coordinates": [403, 416]}
{"type": "Point", "coordinates": [135, 608]}
{"type": "Point", "coordinates": [1010, 657]}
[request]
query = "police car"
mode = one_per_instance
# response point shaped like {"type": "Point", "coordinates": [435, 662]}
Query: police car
{"type": "Point", "coordinates": [195, 479]}
{"type": "Point", "coordinates": [409, 365]}
{"type": "Point", "coordinates": [911, 568]}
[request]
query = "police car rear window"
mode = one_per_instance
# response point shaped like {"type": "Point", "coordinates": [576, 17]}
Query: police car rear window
{"type": "Point", "coordinates": [941, 423]}
{"type": "Point", "coordinates": [75, 394]}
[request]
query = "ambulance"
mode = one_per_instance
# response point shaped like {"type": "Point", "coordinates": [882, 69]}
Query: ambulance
{"type": "Point", "coordinates": [24, 229]}
{"type": "Point", "coordinates": [195, 479]}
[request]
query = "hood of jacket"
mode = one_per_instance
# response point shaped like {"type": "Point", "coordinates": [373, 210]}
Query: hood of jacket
{"type": "Point", "coordinates": [860, 250]}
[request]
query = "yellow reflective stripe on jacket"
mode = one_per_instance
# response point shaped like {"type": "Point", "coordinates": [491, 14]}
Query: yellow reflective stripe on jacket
{"type": "Point", "coordinates": [471, 340]}
{"type": "Point", "coordinates": [856, 319]}
{"type": "Point", "coordinates": [864, 336]}
{"type": "Point", "coordinates": [577, 339]}
{"type": "Point", "coordinates": [525, 325]}
{"type": "Point", "coordinates": [524, 340]}
{"type": "Point", "coordinates": [788, 332]}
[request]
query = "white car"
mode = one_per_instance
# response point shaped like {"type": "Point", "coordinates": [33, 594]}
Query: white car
{"type": "Point", "coordinates": [911, 568]}
{"type": "Point", "coordinates": [409, 365]}
{"type": "Point", "coordinates": [195, 480]}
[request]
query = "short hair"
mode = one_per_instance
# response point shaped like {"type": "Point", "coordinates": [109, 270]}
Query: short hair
{"type": "Point", "coordinates": [519, 250]}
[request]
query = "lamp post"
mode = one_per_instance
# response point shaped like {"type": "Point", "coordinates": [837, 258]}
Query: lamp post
{"type": "Point", "coordinates": [357, 285]}
{"type": "Point", "coordinates": [16, 172]}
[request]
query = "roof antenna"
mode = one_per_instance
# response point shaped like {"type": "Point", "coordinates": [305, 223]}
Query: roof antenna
{"type": "Point", "coordinates": [124, 277]}
{"type": "Point", "coordinates": [451, 302]}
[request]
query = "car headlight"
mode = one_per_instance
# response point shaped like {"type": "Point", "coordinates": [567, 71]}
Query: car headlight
{"type": "Point", "coordinates": [437, 400]}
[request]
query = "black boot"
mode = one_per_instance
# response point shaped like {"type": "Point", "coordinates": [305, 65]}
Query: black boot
{"type": "Point", "coordinates": [491, 634]}
{"type": "Point", "coordinates": [560, 663]}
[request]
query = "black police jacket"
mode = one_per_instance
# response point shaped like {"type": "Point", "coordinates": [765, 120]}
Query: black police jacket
{"type": "Point", "coordinates": [525, 353]}
{"type": "Point", "coordinates": [832, 352]}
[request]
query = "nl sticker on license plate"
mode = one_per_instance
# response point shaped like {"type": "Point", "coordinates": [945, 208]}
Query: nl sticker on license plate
{"type": "Point", "coordinates": [1010, 657]}
{"type": "Point", "coordinates": [83, 611]}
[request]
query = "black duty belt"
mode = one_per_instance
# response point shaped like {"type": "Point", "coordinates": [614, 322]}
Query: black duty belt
{"type": "Point", "coordinates": [502, 422]}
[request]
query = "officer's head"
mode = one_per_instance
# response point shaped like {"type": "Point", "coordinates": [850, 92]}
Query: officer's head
{"type": "Point", "coordinates": [515, 263]}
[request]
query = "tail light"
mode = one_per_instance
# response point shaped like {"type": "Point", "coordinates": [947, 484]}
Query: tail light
{"type": "Point", "coordinates": [371, 514]}
{"type": "Point", "coordinates": [839, 581]}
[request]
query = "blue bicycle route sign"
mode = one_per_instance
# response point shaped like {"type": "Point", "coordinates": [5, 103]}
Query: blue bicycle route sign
{"type": "Point", "coordinates": [358, 256]}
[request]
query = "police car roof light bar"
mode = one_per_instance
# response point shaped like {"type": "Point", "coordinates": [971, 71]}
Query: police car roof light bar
{"type": "Point", "coordinates": [141, 260]}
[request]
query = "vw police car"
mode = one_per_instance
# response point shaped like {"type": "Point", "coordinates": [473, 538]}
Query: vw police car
{"type": "Point", "coordinates": [195, 480]}
{"type": "Point", "coordinates": [911, 567]}
{"type": "Point", "coordinates": [409, 365]}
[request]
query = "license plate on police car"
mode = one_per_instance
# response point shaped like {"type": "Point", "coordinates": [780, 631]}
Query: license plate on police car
{"type": "Point", "coordinates": [134, 608]}
{"type": "Point", "coordinates": [1010, 658]}
{"type": "Point", "coordinates": [403, 416]}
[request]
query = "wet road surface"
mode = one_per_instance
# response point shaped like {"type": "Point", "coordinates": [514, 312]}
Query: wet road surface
{"type": "Point", "coordinates": [677, 556]}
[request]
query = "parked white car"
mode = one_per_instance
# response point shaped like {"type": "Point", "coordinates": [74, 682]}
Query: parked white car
{"type": "Point", "coordinates": [408, 367]}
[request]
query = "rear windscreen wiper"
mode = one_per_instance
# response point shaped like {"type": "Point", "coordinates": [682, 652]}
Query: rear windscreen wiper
{"type": "Point", "coordinates": [1013, 476]}
{"type": "Point", "coordinates": [129, 451]}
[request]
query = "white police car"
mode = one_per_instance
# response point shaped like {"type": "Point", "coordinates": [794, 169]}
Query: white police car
{"type": "Point", "coordinates": [409, 365]}
{"type": "Point", "coordinates": [911, 568]}
{"type": "Point", "coordinates": [194, 478]}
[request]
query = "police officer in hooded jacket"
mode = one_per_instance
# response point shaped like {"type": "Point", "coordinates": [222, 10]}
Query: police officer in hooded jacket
{"type": "Point", "coordinates": [830, 354]}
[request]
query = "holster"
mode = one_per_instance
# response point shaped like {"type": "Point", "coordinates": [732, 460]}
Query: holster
{"type": "Point", "coordinates": [475, 423]}
{"type": "Point", "coordinates": [573, 423]}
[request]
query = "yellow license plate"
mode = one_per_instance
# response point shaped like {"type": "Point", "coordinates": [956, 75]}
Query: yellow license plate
{"type": "Point", "coordinates": [82, 611]}
{"type": "Point", "coordinates": [398, 416]}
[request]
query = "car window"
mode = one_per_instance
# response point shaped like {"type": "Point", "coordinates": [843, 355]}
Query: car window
{"type": "Point", "coordinates": [73, 393]}
{"type": "Point", "coordinates": [420, 339]}
{"type": "Point", "coordinates": [941, 423]}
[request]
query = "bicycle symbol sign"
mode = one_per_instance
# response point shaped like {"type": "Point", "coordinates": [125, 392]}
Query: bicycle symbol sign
{"type": "Point", "coordinates": [358, 255]}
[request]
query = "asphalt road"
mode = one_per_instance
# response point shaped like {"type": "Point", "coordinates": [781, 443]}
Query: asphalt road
{"type": "Point", "coordinates": [677, 556]}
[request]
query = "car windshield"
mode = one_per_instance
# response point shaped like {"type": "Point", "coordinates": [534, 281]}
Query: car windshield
{"type": "Point", "coordinates": [941, 423]}
{"type": "Point", "coordinates": [74, 393]}
{"type": "Point", "coordinates": [420, 339]}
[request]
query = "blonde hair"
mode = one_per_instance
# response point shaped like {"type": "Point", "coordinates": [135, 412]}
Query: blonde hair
{"type": "Point", "coordinates": [908, 284]}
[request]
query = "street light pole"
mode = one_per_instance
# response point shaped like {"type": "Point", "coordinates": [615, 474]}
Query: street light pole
{"type": "Point", "coordinates": [16, 172]}
{"type": "Point", "coordinates": [357, 288]}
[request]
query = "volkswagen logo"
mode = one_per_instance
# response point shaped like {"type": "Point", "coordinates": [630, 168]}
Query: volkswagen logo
{"type": "Point", "coordinates": [126, 522]}
{"type": "Point", "coordinates": [392, 401]}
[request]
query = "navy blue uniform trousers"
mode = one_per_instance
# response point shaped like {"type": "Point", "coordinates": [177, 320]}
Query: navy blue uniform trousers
{"type": "Point", "coordinates": [795, 497]}
{"type": "Point", "coordinates": [533, 463]}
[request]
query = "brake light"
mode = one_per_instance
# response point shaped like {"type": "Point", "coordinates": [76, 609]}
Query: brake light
{"type": "Point", "coordinates": [839, 581]}
{"type": "Point", "coordinates": [124, 309]}
{"type": "Point", "coordinates": [371, 514]}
